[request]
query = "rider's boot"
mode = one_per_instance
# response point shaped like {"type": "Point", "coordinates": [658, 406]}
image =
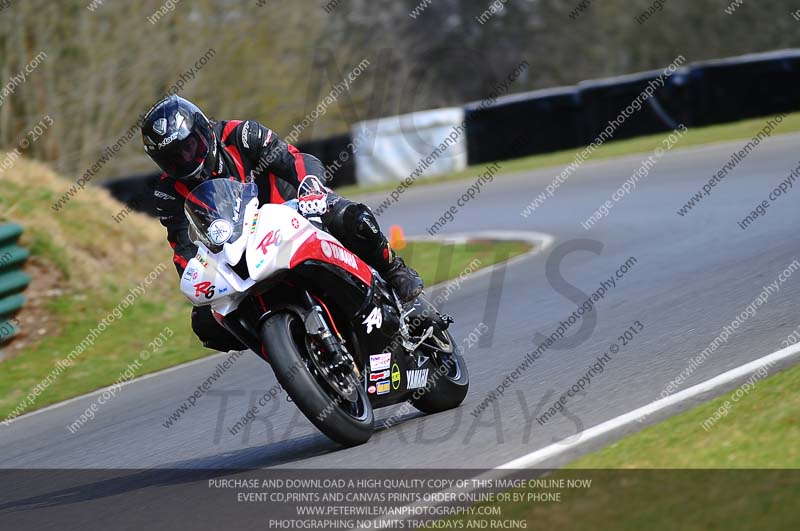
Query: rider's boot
{"type": "Point", "coordinates": [405, 280]}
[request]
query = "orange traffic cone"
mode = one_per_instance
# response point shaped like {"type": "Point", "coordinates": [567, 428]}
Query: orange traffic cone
{"type": "Point", "coordinates": [396, 238]}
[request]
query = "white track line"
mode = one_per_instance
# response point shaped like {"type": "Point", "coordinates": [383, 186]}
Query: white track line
{"type": "Point", "coordinates": [554, 450]}
{"type": "Point", "coordinates": [540, 240]}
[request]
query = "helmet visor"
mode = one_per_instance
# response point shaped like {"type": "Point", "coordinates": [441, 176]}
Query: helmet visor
{"type": "Point", "coordinates": [183, 158]}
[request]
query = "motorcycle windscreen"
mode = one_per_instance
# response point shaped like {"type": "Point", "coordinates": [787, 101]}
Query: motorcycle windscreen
{"type": "Point", "coordinates": [215, 210]}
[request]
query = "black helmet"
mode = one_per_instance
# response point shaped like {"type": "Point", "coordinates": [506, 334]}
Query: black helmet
{"type": "Point", "coordinates": [179, 138]}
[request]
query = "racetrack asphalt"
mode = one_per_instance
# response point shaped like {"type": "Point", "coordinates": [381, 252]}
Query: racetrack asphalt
{"type": "Point", "coordinates": [692, 276]}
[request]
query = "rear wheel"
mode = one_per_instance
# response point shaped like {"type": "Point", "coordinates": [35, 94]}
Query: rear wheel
{"type": "Point", "coordinates": [336, 404]}
{"type": "Point", "coordinates": [448, 385]}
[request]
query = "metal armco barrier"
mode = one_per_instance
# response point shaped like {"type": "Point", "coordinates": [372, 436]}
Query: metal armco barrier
{"type": "Point", "coordinates": [698, 94]}
{"type": "Point", "coordinates": [744, 87]}
{"type": "Point", "coordinates": [524, 124]}
{"type": "Point", "coordinates": [13, 280]}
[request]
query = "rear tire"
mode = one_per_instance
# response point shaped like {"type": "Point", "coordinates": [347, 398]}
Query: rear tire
{"type": "Point", "coordinates": [293, 368]}
{"type": "Point", "coordinates": [448, 389]}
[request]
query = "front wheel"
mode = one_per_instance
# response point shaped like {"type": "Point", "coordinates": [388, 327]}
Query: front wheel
{"type": "Point", "coordinates": [295, 362]}
{"type": "Point", "coordinates": [448, 385]}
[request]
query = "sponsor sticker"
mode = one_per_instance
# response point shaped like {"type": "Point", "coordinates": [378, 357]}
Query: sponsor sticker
{"type": "Point", "coordinates": [379, 362]}
{"type": "Point", "coordinates": [371, 389]}
{"type": "Point", "coordinates": [189, 274]}
{"type": "Point", "coordinates": [416, 378]}
{"type": "Point", "coordinates": [373, 320]}
{"type": "Point", "coordinates": [375, 376]}
{"type": "Point", "coordinates": [295, 223]}
{"type": "Point", "coordinates": [383, 387]}
{"type": "Point", "coordinates": [254, 223]}
{"type": "Point", "coordinates": [395, 377]}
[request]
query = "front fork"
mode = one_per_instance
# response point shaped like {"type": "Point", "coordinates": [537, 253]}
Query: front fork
{"type": "Point", "coordinates": [339, 359]}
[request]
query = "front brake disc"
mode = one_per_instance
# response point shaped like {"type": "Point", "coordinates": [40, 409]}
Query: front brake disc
{"type": "Point", "coordinates": [347, 389]}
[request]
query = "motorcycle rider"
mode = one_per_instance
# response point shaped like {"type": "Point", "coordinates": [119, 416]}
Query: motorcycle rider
{"type": "Point", "coordinates": [190, 149]}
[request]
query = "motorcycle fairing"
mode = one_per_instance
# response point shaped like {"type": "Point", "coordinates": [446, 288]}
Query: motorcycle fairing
{"type": "Point", "coordinates": [275, 238]}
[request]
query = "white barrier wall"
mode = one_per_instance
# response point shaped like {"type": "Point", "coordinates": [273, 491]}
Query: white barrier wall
{"type": "Point", "coordinates": [415, 145]}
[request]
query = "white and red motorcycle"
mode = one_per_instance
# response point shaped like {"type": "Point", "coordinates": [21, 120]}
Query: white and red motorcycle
{"type": "Point", "coordinates": [338, 339]}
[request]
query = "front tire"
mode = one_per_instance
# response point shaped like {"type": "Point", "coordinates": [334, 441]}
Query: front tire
{"type": "Point", "coordinates": [285, 339]}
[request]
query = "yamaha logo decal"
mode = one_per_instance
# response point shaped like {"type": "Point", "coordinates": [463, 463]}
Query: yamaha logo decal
{"type": "Point", "coordinates": [331, 250]}
{"type": "Point", "coordinates": [416, 379]}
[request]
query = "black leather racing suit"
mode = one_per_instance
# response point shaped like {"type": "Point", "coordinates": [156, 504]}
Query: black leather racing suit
{"type": "Point", "coordinates": [250, 152]}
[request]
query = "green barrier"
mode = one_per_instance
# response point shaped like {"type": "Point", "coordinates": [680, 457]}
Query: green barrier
{"type": "Point", "coordinates": [13, 280]}
{"type": "Point", "coordinates": [12, 256]}
{"type": "Point", "coordinates": [11, 305]}
{"type": "Point", "coordinates": [7, 329]}
{"type": "Point", "coordinates": [9, 233]}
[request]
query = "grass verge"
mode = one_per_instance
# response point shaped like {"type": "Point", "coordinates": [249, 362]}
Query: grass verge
{"type": "Point", "coordinates": [697, 136]}
{"type": "Point", "coordinates": [760, 430]}
{"type": "Point", "coordinates": [84, 265]}
{"type": "Point", "coordinates": [438, 262]}
{"type": "Point", "coordinates": [740, 473]}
